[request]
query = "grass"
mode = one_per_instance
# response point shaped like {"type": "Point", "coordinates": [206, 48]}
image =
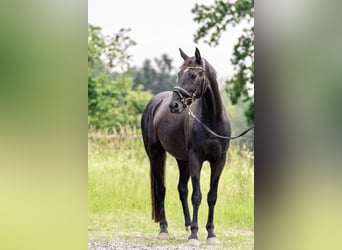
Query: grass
{"type": "Point", "coordinates": [119, 194]}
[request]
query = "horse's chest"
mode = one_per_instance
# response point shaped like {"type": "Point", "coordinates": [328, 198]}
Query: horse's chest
{"type": "Point", "coordinates": [211, 149]}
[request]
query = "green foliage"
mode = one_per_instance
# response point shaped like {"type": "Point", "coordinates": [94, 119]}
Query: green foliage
{"type": "Point", "coordinates": [112, 101]}
{"type": "Point", "coordinates": [115, 104]}
{"type": "Point", "coordinates": [111, 51]}
{"type": "Point", "coordinates": [238, 122]}
{"type": "Point", "coordinates": [117, 49]}
{"type": "Point", "coordinates": [240, 84]}
{"type": "Point", "coordinates": [215, 19]}
{"type": "Point", "coordinates": [96, 45]}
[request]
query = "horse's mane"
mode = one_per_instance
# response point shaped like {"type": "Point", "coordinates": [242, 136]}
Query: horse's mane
{"type": "Point", "coordinates": [211, 72]}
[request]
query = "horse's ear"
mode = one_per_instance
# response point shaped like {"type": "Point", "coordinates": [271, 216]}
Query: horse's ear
{"type": "Point", "coordinates": [198, 56]}
{"type": "Point", "coordinates": [183, 55]}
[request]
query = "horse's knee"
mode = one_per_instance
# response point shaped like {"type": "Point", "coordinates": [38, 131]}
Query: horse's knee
{"type": "Point", "coordinates": [211, 199]}
{"type": "Point", "coordinates": [196, 198]}
{"type": "Point", "coordinates": [183, 191]}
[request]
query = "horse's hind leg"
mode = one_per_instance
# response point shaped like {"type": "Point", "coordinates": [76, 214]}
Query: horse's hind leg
{"type": "Point", "coordinates": [157, 161]}
{"type": "Point", "coordinates": [216, 170]}
{"type": "Point", "coordinates": [184, 177]}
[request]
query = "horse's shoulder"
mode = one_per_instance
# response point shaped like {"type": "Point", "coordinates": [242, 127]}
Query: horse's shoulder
{"type": "Point", "coordinates": [160, 103]}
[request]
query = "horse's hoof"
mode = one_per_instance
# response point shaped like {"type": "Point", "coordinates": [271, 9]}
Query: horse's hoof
{"type": "Point", "coordinates": [163, 236]}
{"type": "Point", "coordinates": [194, 242]}
{"type": "Point", "coordinates": [213, 241]}
{"type": "Point", "coordinates": [188, 229]}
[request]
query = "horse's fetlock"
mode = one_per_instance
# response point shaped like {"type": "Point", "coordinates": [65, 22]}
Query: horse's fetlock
{"type": "Point", "coordinates": [194, 228]}
{"type": "Point", "coordinates": [210, 226]}
{"type": "Point", "coordinates": [163, 226]}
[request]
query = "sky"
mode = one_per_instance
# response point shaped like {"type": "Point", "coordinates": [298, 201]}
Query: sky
{"type": "Point", "coordinates": [160, 26]}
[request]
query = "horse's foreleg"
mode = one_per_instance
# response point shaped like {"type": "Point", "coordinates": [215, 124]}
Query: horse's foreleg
{"type": "Point", "coordinates": [216, 170]}
{"type": "Point", "coordinates": [184, 176]}
{"type": "Point", "coordinates": [196, 199]}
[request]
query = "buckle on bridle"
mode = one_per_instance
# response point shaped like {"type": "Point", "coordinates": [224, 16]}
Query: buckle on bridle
{"type": "Point", "coordinates": [187, 101]}
{"type": "Point", "coordinates": [185, 97]}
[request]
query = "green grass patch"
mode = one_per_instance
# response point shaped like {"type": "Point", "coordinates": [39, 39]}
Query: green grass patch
{"type": "Point", "coordinates": [119, 194]}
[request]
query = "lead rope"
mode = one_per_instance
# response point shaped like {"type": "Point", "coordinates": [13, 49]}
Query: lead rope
{"type": "Point", "coordinates": [213, 133]}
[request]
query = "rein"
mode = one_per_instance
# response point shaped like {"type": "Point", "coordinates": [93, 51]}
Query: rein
{"type": "Point", "coordinates": [213, 133]}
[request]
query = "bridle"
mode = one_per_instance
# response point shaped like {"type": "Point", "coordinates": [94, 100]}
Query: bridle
{"type": "Point", "coordinates": [185, 96]}
{"type": "Point", "coordinates": [187, 99]}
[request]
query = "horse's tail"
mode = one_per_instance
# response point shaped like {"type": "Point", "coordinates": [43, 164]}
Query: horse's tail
{"type": "Point", "coordinates": [155, 207]}
{"type": "Point", "coordinates": [157, 156]}
{"type": "Point", "coordinates": [155, 192]}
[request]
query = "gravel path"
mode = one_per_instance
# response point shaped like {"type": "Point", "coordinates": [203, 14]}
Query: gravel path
{"type": "Point", "coordinates": [139, 243]}
{"type": "Point", "coordinates": [123, 245]}
{"type": "Point", "coordinates": [145, 242]}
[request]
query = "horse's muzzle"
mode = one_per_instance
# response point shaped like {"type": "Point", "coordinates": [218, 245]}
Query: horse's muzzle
{"type": "Point", "coordinates": [176, 107]}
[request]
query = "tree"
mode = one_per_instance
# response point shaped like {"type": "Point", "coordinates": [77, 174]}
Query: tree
{"type": "Point", "coordinates": [165, 76]}
{"type": "Point", "coordinates": [146, 76]}
{"type": "Point", "coordinates": [110, 52]}
{"type": "Point", "coordinates": [112, 102]}
{"type": "Point", "coordinates": [214, 20]}
{"type": "Point", "coordinates": [159, 78]}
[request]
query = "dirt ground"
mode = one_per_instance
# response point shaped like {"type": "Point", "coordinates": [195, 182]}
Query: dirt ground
{"type": "Point", "coordinates": [124, 244]}
{"type": "Point", "coordinates": [147, 242]}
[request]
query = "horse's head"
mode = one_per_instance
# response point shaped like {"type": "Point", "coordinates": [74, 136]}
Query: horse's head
{"type": "Point", "coordinates": [191, 82]}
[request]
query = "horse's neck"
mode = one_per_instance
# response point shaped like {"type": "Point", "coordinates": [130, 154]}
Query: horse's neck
{"type": "Point", "coordinates": [212, 103]}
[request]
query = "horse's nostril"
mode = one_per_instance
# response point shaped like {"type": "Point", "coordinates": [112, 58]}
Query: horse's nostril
{"type": "Point", "coordinates": [173, 105]}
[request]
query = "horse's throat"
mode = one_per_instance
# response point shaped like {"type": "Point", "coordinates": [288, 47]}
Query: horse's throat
{"type": "Point", "coordinates": [212, 105]}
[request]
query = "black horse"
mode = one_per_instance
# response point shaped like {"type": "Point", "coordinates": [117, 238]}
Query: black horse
{"type": "Point", "coordinates": [167, 128]}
